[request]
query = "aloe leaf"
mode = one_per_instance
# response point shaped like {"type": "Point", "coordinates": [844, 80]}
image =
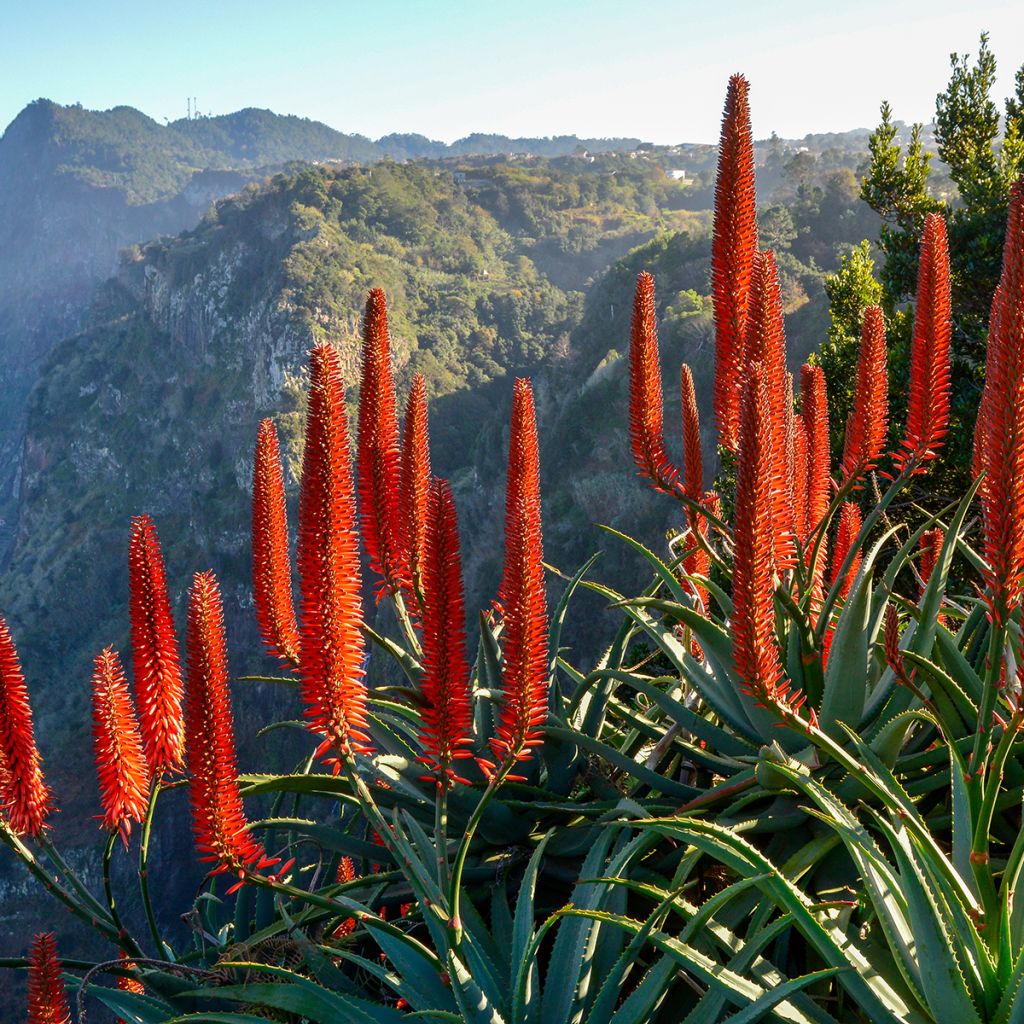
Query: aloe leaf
{"type": "Point", "coordinates": [558, 613]}
{"type": "Point", "coordinates": [663, 572]}
{"type": "Point", "coordinates": [569, 968]}
{"type": "Point", "coordinates": [846, 672]}
{"type": "Point", "coordinates": [717, 738]}
{"type": "Point", "coordinates": [638, 1007]}
{"type": "Point", "coordinates": [474, 1005]}
{"type": "Point", "coordinates": [945, 986]}
{"type": "Point", "coordinates": [211, 1017]}
{"type": "Point", "coordinates": [420, 972]}
{"type": "Point", "coordinates": [522, 928]}
{"type": "Point", "coordinates": [409, 665]}
{"type": "Point", "coordinates": [957, 713]}
{"type": "Point", "coordinates": [875, 994]}
{"type": "Point", "coordinates": [295, 994]}
{"type": "Point", "coordinates": [133, 1007]}
{"type": "Point", "coordinates": [644, 776]}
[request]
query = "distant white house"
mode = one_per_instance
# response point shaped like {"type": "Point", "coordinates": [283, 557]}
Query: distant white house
{"type": "Point", "coordinates": [677, 174]}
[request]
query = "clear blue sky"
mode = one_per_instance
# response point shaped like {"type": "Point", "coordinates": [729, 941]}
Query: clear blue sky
{"type": "Point", "coordinates": [656, 70]}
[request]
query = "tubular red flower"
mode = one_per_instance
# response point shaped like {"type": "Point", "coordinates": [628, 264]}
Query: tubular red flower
{"type": "Point", "coordinates": [448, 714]}
{"type": "Point", "coordinates": [525, 674]}
{"type": "Point", "coordinates": [346, 873]}
{"type": "Point", "coordinates": [331, 652]}
{"type": "Point", "coordinates": [155, 663]}
{"type": "Point", "coordinates": [755, 646]}
{"type": "Point", "coordinates": [732, 254]}
{"type": "Point", "coordinates": [765, 343]}
{"type": "Point", "coordinates": [415, 475]}
{"type": "Point", "coordinates": [865, 432]}
{"type": "Point", "coordinates": [814, 400]}
{"type": "Point", "coordinates": [26, 797]}
{"type": "Point", "coordinates": [800, 469]}
{"type": "Point", "coordinates": [846, 533]}
{"type": "Point", "coordinates": [271, 569]}
{"type": "Point", "coordinates": [120, 760]}
{"type": "Point", "coordinates": [1000, 441]}
{"type": "Point", "coordinates": [218, 815]}
{"type": "Point", "coordinates": [379, 454]}
{"type": "Point", "coordinates": [693, 464]}
{"type": "Point", "coordinates": [928, 410]}
{"type": "Point", "coordinates": [646, 426]}
{"type": "Point", "coordinates": [931, 545]}
{"type": "Point", "coordinates": [47, 998]}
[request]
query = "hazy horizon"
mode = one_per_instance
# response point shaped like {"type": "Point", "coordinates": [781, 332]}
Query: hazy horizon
{"type": "Point", "coordinates": [526, 70]}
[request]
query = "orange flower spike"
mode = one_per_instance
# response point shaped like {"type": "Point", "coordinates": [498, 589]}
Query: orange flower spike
{"type": "Point", "coordinates": [218, 815]}
{"type": "Point", "coordinates": [800, 470]}
{"type": "Point", "coordinates": [331, 652]}
{"type": "Point", "coordinates": [120, 760]}
{"type": "Point", "coordinates": [765, 343]}
{"type": "Point", "coordinates": [346, 873]}
{"type": "Point", "coordinates": [814, 400]}
{"type": "Point", "coordinates": [983, 431]}
{"type": "Point", "coordinates": [47, 997]}
{"type": "Point", "coordinates": [646, 416]}
{"type": "Point", "coordinates": [525, 641]}
{"type": "Point", "coordinates": [755, 647]}
{"type": "Point", "coordinates": [271, 570]}
{"type": "Point", "coordinates": [1000, 441]}
{"type": "Point", "coordinates": [26, 797]}
{"type": "Point", "coordinates": [928, 409]}
{"type": "Point", "coordinates": [415, 475]}
{"type": "Point", "coordinates": [846, 533]}
{"type": "Point", "coordinates": [865, 432]}
{"type": "Point", "coordinates": [155, 662]}
{"type": "Point", "coordinates": [447, 717]}
{"type": "Point", "coordinates": [379, 453]}
{"type": "Point", "coordinates": [693, 464]}
{"type": "Point", "coordinates": [732, 254]}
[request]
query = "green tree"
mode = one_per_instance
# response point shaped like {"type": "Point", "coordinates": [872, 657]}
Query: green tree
{"type": "Point", "coordinates": [850, 290]}
{"type": "Point", "coordinates": [983, 161]}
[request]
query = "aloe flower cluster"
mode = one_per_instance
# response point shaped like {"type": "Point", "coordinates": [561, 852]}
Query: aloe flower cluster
{"type": "Point", "coordinates": [786, 491]}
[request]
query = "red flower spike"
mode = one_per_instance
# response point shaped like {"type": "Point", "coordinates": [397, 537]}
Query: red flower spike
{"type": "Point", "coordinates": [218, 816]}
{"type": "Point", "coordinates": [120, 760]}
{"type": "Point", "coordinates": [931, 547]}
{"type": "Point", "coordinates": [993, 372]}
{"type": "Point", "coordinates": [346, 873]}
{"type": "Point", "coordinates": [755, 647]}
{"type": "Point", "coordinates": [26, 797]}
{"type": "Point", "coordinates": [331, 651]}
{"type": "Point", "coordinates": [271, 570]}
{"type": "Point", "coordinates": [1000, 440]}
{"type": "Point", "coordinates": [47, 998]}
{"type": "Point", "coordinates": [865, 431]}
{"type": "Point", "coordinates": [525, 642]}
{"type": "Point", "coordinates": [814, 400]}
{"type": "Point", "coordinates": [928, 410]}
{"type": "Point", "coordinates": [693, 464]}
{"type": "Point", "coordinates": [155, 663]}
{"type": "Point", "coordinates": [846, 533]}
{"type": "Point", "coordinates": [732, 254]}
{"type": "Point", "coordinates": [800, 470]}
{"type": "Point", "coordinates": [765, 343]}
{"type": "Point", "coordinates": [447, 717]}
{"type": "Point", "coordinates": [379, 453]}
{"type": "Point", "coordinates": [646, 416]}
{"type": "Point", "coordinates": [415, 475]}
